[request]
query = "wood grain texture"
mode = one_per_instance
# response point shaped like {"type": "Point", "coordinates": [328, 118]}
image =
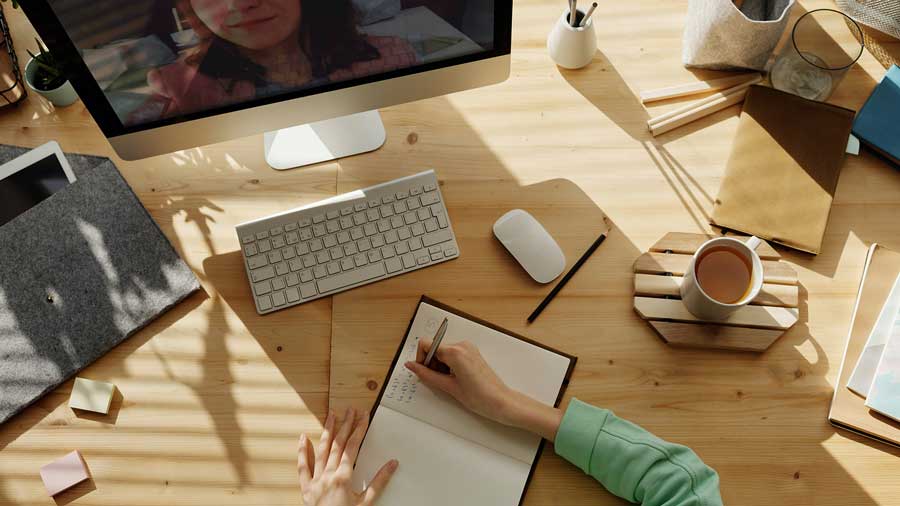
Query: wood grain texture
{"type": "Point", "coordinates": [715, 336]}
{"type": "Point", "coordinates": [695, 88]}
{"type": "Point", "coordinates": [651, 308]}
{"type": "Point", "coordinates": [687, 244]}
{"type": "Point", "coordinates": [213, 396]}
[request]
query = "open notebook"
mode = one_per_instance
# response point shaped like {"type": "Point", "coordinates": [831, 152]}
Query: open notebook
{"type": "Point", "coordinates": [448, 455]}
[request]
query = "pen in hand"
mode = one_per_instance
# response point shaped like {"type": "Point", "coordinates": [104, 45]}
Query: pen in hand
{"type": "Point", "coordinates": [436, 342]}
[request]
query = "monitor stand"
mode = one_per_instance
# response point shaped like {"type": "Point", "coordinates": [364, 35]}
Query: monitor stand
{"type": "Point", "coordinates": [324, 140]}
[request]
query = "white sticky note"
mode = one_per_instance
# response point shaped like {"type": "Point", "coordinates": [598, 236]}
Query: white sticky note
{"type": "Point", "coordinates": [853, 145]}
{"type": "Point", "coordinates": [91, 395]}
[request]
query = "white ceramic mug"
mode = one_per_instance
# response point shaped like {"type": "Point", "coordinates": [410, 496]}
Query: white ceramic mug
{"type": "Point", "coordinates": [705, 307]}
{"type": "Point", "coordinates": [572, 47]}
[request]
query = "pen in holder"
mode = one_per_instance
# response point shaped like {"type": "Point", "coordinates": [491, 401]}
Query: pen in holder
{"type": "Point", "coordinates": [572, 47]}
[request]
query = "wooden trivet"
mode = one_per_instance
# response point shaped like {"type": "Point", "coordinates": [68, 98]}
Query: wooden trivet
{"type": "Point", "coordinates": [657, 281]}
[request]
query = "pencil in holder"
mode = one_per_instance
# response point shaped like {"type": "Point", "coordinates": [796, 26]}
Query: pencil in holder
{"type": "Point", "coordinates": [572, 47]}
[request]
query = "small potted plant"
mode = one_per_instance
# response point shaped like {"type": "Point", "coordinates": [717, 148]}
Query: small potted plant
{"type": "Point", "coordinates": [43, 74]}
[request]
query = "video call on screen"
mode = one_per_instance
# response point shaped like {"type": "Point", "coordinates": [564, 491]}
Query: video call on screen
{"type": "Point", "coordinates": [163, 59]}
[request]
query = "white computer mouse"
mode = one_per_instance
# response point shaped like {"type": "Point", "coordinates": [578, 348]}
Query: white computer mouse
{"type": "Point", "coordinates": [529, 243]}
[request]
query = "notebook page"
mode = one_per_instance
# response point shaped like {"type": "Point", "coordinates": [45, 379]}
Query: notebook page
{"type": "Point", "coordinates": [522, 366]}
{"type": "Point", "coordinates": [861, 379]}
{"type": "Point", "coordinates": [436, 468]}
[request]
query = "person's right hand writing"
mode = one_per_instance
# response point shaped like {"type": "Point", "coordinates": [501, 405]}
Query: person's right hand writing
{"type": "Point", "coordinates": [472, 382]}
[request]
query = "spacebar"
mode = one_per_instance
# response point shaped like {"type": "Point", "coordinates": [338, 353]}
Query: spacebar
{"type": "Point", "coordinates": [343, 279]}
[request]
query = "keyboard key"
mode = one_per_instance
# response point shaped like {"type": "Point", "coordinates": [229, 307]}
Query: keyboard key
{"type": "Point", "coordinates": [434, 249]}
{"type": "Point", "coordinates": [346, 223]}
{"type": "Point", "coordinates": [275, 256]}
{"type": "Point", "coordinates": [377, 241]}
{"type": "Point", "coordinates": [319, 230]}
{"type": "Point", "coordinates": [302, 248]}
{"type": "Point", "coordinates": [309, 261]}
{"type": "Point", "coordinates": [264, 246]}
{"type": "Point", "coordinates": [364, 244]}
{"type": "Point", "coordinates": [356, 234]}
{"type": "Point", "coordinates": [437, 256]}
{"type": "Point", "coordinates": [250, 250]}
{"type": "Point", "coordinates": [413, 203]}
{"type": "Point", "coordinates": [417, 229]}
{"type": "Point", "coordinates": [391, 237]}
{"type": "Point", "coordinates": [295, 264]}
{"type": "Point", "coordinates": [415, 243]}
{"type": "Point", "coordinates": [278, 242]}
{"type": "Point", "coordinates": [347, 263]}
{"type": "Point", "coordinates": [393, 265]}
{"type": "Point", "coordinates": [262, 288]}
{"type": "Point", "coordinates": [415, 190]}
{"type": "Point", "coordinates": [319, 218]}
{"type": "Point", "coordinates": [450, 251]}
{"type": "Point", "coordinates": [374, 255]}
{"type": "Point", "coordinates": [247, 239]}
{"type": "Point", "coordinates": [288, 253]}
{"type": "Point", "coordinates": [387, 252]}
{"type": "Point", "coordinates": [423, 213]}
{"type": "Point", "coordinates": [292, 294]}
{"type": "Point", "coordinates": [345, 211]}
{"type": "Point", "coordinates": [315, 245]}
{"type": "Point", "coordinates": [257, 261]}
{"type": "Point", "coordinates": [306, 276]}
{"type": "Point", "coordinates": [402, 195]}
{"type": "Point", "coordinates": [290, 227]}
{"type": "Point", "coordinates": [360, 259]}
{"type": "Point", "coordinates": [350, 249]}
{"type": "Point", "coordinates": [384, 226]}
{"type": "Point", "coordinates": [429, 198]}
{"type": "Point", "coordinates": [262, 235]}
{"type": "Point", "coordinates": [332, 226]}
{"type": "Point", "coordinates": [278, 299]}
{"type": "Point", "coordinates": [437, 238]}
{"type": "Point", "coordinates": [422, 259]}
{"type": "Point", "coordinates": [262, 274]}
{"type": "Point", "coordinates": [387, 211]}
{"type": "Point", "coordinates": [410, 218]}
{"type": "Point", "coordinates": [292, 279]}
{"type": "Point", "coordinates": [343, 237]}
{"type": "Point", "coordinates": [360, 207]}
{"type": "Point", "coordinates": [396, 222]}
{"type": "Point", "coordinates": [436, 209]}
{"type": "Point", "coordinates": [276, 231]}
{"type": "Point", "coordinates": [372, 214]}
{"type": "Point", "coordinates": [308, 290]}
{"type": "Point", "coordinates": [281, 269]}
{"type": "Point", "coordinates": [404, 233]}
{"type": "Point", "coordinates": [292, 238]}
{"type": "Point", "coordinates": [304, 222]}
{"type": "Point", "coordinates": [333, 268]}
{"type": "Point", "coordinates": [278, 284]}
{"type": "Point", "coordinates": [359, 219]}
{"type": "Point", "coordinates": [408, 260]}
{"type": "Point", "coordinates": [319, 272]}
{"type": "Point", "coordinates": [329, 241]}
{"type": "Point", "coordinates": [370, 229]}
{"type": "Point", "coordinates": [322, 257]}
{"type": "Point", "coordinates": [400, 207]}
{"type": "Point", "coordinates": [430, 187]}
{"type": "Point", "coordinates": [264, 303]}
{"type": "Point", "coordinates": [336, 253]}
{"type": "Point", "coordinates": [431, 225]}
{"type": "Point", "coordinates": [442, 221]}
{"type": "Point", "coordinates": [345, 279]}
{"type": "Point", "coordinates": [374, 203]}
{"type": "Point", "coordinates": [332, 215]}
{"type": "Point", "coordinates": [387, 199]}
{"type": "Point", "coordinates": [305, 234]}
{"type": "Point", "coordinates": [401, 248]}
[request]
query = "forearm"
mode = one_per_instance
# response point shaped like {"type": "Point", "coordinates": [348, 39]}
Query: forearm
{"type": "Point", "coordinates": [526, 413]}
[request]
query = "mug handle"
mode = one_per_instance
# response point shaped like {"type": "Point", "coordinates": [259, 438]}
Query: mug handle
{"type": "Point", "coordinates": [753, 242]}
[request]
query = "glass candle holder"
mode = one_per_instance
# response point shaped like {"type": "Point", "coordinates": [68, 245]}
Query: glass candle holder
{"type": "Point", "coordinates": [813, 64]}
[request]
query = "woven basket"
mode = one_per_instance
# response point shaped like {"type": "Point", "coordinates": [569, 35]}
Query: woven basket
{"type": "Point", "coordinates": [879, 20]}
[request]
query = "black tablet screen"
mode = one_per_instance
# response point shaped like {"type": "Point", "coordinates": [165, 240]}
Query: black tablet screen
{"type": "Point", "coordinates": [24, 189]}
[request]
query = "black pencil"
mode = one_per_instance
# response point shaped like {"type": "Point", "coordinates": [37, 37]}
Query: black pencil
{"type": "Point", "coordinates": [559, 286]}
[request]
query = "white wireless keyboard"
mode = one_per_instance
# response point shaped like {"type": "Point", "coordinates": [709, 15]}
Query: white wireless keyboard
{"type": "Point", "coordinates": [347, 241]}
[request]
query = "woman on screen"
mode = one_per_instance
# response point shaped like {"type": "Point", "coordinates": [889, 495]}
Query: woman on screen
{"type": "Point", "coordinates": [255, 48]}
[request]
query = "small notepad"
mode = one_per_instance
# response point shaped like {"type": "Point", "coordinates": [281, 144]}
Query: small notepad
{"type": "Point", "coordinates": [91, 395]}
{"type": "Point", "coordinates": [64, 473]}
{"type": "Point", "coordinates": [884, 396]}
{"type": "Point", "coordinates": [449, 455]}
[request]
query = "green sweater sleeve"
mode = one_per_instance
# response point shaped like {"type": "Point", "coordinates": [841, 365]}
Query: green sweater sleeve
{"type": "Point", "coordinates": [632, 463]}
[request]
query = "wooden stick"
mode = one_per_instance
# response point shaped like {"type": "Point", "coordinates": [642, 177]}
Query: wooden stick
{"type": "Point", "coordinates": [694, 105]}
{"type": "Point", "coordinates": [700, 112]}
{"type": "Point", "coordinates": [684, 90]}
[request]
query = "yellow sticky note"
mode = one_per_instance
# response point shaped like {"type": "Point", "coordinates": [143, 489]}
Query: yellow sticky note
{"type": "Point", "coordinates": [91, 395]}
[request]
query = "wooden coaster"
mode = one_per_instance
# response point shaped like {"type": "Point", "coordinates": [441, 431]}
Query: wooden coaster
{"type": "Point", "coordinates": [657, 299]}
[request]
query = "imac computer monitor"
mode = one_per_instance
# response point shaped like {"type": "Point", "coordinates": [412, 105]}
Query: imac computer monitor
{"type": "Point", "coordinates": [164, 75]}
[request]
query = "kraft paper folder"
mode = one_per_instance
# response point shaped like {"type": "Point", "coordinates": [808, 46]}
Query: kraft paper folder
{"type": "Point", "coordinates": [848, 410]}
{"type": "Point", "coordinates": [783, 169]}
{"type": "Point", "coordinates": [80, 272]}
{"type": "Point", "coordinates": [449, 455]}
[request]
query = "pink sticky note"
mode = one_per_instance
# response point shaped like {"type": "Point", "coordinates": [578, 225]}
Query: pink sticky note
{"type": "Point", "coordinates": [64, 473]}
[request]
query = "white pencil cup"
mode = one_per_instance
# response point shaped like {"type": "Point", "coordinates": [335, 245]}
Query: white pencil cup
{"type": "Point", "coordinates": [572, 47]}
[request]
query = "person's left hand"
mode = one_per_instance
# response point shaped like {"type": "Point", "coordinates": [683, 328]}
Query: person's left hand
{"type": "Point", "coordinates": [325, 472]}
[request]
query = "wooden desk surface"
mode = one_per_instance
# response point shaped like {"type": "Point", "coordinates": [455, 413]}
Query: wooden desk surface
{"type": "Point", "coordinates": [213, 397]}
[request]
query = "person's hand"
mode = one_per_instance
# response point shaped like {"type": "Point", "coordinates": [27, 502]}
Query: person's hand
{"type": "Point", "coordinates": [459, 370]}
{"type": "Point", "coordinates": [325, 472]}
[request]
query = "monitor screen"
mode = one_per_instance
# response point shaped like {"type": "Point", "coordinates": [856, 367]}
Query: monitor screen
{"type": "Point", "coordinates": [158, 62]}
